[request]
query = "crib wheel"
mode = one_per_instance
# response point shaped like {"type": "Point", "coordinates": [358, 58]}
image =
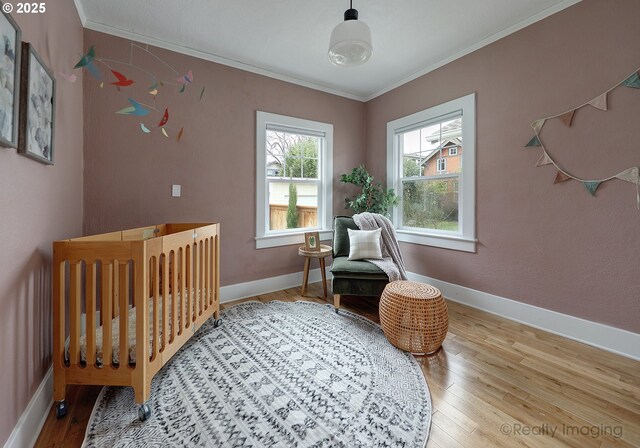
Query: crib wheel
{"type": "Point", "coordinates": [144, 412]}
{"type": "Point", "coordinates": [217, 323]}
{"type": "Point", "coordinates": [61, 409]}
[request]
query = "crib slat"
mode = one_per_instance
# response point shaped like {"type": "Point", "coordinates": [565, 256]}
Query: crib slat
{"type": "Point", "coordinates": [91, 300]}
{"type": "Point", "coordinates": [217, 270]}
{"type": "Point", "coordinates": [74, 312]}
{"type": "Point", "coordinates": [212, 273]}
{"type": "Point", "coordinates": [175, 295]}
{"type": "Point", "coordinates": [165, 300]}
{"type": "Point", "coordinates": [156, 310]}
{"type": "Point", "coordinates": [188, 260]}
{"type": "Point", "coordinates": [196, 280]}
{"type": "Point", "coordinates": [207, 274]}
{"type": "Point", "coordinates": [107, 294]}
{"type": "Point", "coordinates": [123, 292]}
{"type": "Point", "coordinates": [183, 293]}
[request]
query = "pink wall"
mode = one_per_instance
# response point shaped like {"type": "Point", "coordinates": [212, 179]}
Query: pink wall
{"type": "Point", "coordinates": [128, 174]}
{"type": "Point", "coordinates": [38, 204]}
{"type": "Point", "coordinates": [552, 246]}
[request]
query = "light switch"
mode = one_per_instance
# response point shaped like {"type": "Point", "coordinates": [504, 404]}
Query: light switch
{"type": "Point", "coordinates": [175, 191]}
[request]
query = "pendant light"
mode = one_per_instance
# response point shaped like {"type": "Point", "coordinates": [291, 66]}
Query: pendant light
{"type": "Point", "coordinates": [350, 43]}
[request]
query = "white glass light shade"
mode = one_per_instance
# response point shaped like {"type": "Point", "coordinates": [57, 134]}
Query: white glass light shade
{"type": "Point", "coordinates": [350, 43]}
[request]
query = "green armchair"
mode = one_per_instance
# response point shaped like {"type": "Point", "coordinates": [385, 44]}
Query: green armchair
{"type": "Point", "coordinates": [358, 278]}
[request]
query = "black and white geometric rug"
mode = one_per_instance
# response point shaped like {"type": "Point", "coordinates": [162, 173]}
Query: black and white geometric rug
{"type": "Point", "coordinates": [277, 374]}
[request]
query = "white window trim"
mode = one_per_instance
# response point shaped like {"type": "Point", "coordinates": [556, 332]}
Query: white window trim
{"type": "Point", "coordinates": [465, 238]}
{"type": "Point", "coordinates": [444, 164]}
{"type": "Point", "coordinates": [453, 151]}
{"type": "Point", "coordinates": [265, 238]}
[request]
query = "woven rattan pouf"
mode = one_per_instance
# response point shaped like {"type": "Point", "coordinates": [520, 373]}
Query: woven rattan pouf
{"type": "Point", "coordinates": [414, 316]}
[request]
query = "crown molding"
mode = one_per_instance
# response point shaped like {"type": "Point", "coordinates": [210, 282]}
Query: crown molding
{"type": "Point", "coordinates": [81, 13]}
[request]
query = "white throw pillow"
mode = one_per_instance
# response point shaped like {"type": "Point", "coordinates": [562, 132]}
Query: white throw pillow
{"type": "Point", "coordinates": [364, 244]}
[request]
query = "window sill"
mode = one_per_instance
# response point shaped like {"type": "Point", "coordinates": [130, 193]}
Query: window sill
{"type": "Point", "coordinates": [288, 239]}
{"type": "Point", "coordinates": [436, 240]}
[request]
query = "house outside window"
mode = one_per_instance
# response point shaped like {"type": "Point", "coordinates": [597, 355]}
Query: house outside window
{"type": "Point", "coordinates": [431, 164]}
{"type": "Point", "coordinates": [294, 172]}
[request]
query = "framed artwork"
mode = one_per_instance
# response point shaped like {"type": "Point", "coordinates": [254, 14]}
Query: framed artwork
{"type": "Point", "coordinates": [37, 107]}
{"type": "Point", "coordinates": [312, 242]}
{"type": "Point", "coordinates": [10, 52]}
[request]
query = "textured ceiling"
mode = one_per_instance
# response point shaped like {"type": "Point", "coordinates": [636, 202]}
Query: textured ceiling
{"type": "Point", "coordinates": [288, 39]}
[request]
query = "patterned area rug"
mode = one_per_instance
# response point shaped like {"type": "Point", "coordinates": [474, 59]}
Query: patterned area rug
{"type": "Point", "coordinates": [279, 374]}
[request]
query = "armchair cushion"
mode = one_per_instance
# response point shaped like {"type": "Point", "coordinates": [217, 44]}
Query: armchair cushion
{"type": "Point", "coordinates": [344, 268]}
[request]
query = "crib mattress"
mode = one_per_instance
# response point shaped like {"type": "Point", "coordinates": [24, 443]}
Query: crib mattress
{"type": "Point", "coordinates": [115, 336]}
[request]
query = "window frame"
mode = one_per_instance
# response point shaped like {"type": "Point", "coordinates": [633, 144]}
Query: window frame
{"type": "Point", "coordinates": [465, 238]}
{"type": "Point", "coordinates": [268, 238]}
{"type": "Point", "coordinates": [453, 151]}
{"type": "Point", "coordinates": [444, 164]}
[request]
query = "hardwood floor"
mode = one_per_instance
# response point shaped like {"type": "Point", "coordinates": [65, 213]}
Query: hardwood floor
{"type": "Point", "coordinates": [494, 383]}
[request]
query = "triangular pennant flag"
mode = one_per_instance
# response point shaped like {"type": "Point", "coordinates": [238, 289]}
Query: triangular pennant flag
{"type": "Point", "coordinates": [591, 186]}
{"type": "Point", "coordinates": [537, 125]}
{"type": "Point", "coordinates": [544, 159]}
{"type": "Point", "coordinates": [600, 102]}
{"type": "Point", "coordinates": [630, 175]}
{"type": "Point", "coordinates": [535, 141]}
{"type": "Point", "coordinates": [567, 118]}
{"type": "Point", "coordinates": [632, 81]}
{"type": "Point", "coordinates": [561, 177]}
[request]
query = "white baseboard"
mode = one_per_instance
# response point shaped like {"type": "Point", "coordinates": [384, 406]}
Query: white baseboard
{"type": "Point", "coordinates": [608, 338]}
{"type": "Point", "coordinates": [267, 285]}
{"type": "Point", "coordinates": [32, 420]}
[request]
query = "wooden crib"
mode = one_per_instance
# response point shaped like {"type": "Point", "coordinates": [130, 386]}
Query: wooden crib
{"type": "Point", "coordinates": [125, 302]}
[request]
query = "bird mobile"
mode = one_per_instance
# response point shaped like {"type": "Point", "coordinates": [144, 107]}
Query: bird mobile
{"type": "Point", "coordinates": [122, 79]}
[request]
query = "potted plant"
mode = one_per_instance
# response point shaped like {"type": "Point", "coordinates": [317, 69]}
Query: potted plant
{"type": "Point", "coordinates": [373, 198]}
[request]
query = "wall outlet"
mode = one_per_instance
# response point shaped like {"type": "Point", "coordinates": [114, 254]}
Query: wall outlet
{"type": "Point", "coordinates": [176, 191]}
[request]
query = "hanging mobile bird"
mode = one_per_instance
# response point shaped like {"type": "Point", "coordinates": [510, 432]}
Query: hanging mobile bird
{"type": "Point", "coordinates": [122, 81]}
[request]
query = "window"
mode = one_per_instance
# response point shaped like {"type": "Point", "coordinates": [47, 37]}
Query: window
{"type": "Point", "coordinates": [294, 173]}
{"type": "Point", "coordinates": [437, 193]}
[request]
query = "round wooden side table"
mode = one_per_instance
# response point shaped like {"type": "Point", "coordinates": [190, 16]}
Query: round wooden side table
{"type": "Point", "coordinates": [414, 316]}
{"type": "Point", "coordinates": [324, 252]}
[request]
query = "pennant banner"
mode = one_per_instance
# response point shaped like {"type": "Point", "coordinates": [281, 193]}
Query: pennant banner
{"type": "Point", "coordinates": [567, 118]}
{"type": "Point", "coordinates": [561, 177]}
{"type": "Point", "coordinates": [599, 102]}
{"type": "Point", "coordinates": [535, 141]}
{"type": "Point", "coordinates": [537, 125]}
{"type": "Point", "coordinates": [632, 81]}
{"type": "Point", "coordinates": [591, 186]}
{"type": "Point", "coordinates": [544, 159]}
{"type": "Point", "coordinates": [630, 175]}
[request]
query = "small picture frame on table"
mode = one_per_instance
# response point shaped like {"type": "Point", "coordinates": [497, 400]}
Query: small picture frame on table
{"type": "Point", "coordinates": [312, 241]}
{"type": "Point", "coordinates": [10, 40]}
{"type": "Point", "coordinates": [37, 107]}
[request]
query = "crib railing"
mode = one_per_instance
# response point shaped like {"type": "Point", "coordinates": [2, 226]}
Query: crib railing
{"type": "Point", "coordinates": [169, 273]}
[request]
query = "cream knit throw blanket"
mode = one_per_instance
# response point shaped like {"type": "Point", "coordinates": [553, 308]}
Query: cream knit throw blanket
{"type": "Point", "coordinates": [392, 263]}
